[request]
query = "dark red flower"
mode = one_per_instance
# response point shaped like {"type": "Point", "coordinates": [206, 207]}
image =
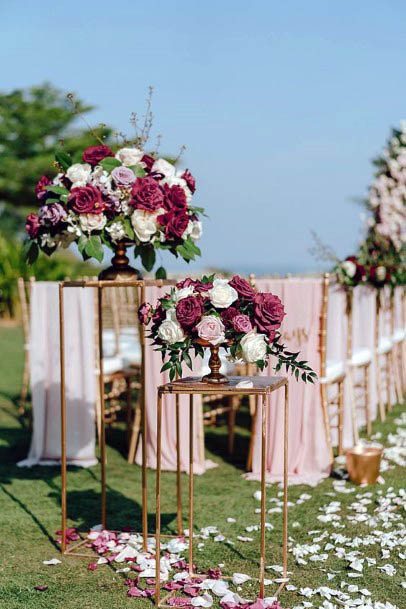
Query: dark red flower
{"type": "Point", "coordinates": [148, 161]}
{"type": "Point", "coordinates": [86, 200]}
{"type": "Point", "coordinates": [147, 194]}
{"type": "Point", "coordinates": [186, 283]}
{"type": "Point", "coordinates": [174, 198]}
{"type": "Point", "coordinates": [189, 311]}
{"type": "Point", "coordinates": [379, 275]}
{"type": "Point", "coordinates": [360, 272]}
{"type": "Point", "coordinates": [32, 225]}
{"type": "Point", "coordinates": [145, 313]}
{"type": "Point", "coordinates": [40, 188]}
{"type": "Point", "coordinates": [175, 224]}
{"type": "Point", "coordinates": [268, 312]}
{"type": "Point", "coordinates": [227, 315]}
{"type": "Point", "coordinates": [242, 287]}
{"type": "Point", "coordinates": [190, 180]}
{"type": "Point", "coordinates": [94, 154]}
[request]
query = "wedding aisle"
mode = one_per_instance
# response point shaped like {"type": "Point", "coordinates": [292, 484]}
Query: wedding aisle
{"type": "Point", "coordinates": [337, 555]}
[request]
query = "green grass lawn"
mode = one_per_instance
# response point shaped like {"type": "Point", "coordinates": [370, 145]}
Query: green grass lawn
{"type": "Point", "coordinates": [30, 515]}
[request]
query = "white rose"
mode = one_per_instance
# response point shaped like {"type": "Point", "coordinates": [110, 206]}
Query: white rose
{"type": "Point", "coordinates": [92, 222]}
{"type": "Point", "coordinates": [79, 173]}
{"type": "Point", "coordinates": [197, 230]}
{"type": "Point", "coordinates": [170, 331]}
{"type": "Point", "coordinates": [47, 240]}
{"type": "Point", "coordinates": [253, 347]}
{"type": "Point", "coordinates": [116, 230]}
{"type": "Point", "coordinates": [380, 273]}
{"type": "Point", "coordinates": [183, 293]}
{"type": "Point", "coordinates": [349, 268]}
{"type": "Point", "coordinates": [129, 156]}
{"type": "Point", "coordinates": [222, 294]}
{"type": "Point", "coordinates": [162, 166]}
{"type": "Point", "coordinates": [144, 224]}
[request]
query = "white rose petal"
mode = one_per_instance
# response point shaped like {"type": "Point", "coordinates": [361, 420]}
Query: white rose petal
{"type": "Point", "coordinates": [79, 174]}
{"type": "Point", "coordinates": [202, 601]}
{"type": "Point", "coordinates": [240, 578]}
{"type": "Point", "coordinates": [53, 561]}
{"type": "Point", "coordinates": [92, 222]}
{"type": "Point", "coordinates": [222, 294]}
{"type": "Point", "coordinates": [144, 224]}
{"type": "Point", "coordinates": [162, 166]}
{"type": "Point", "coordinates": [253, 347]}
{"type": "Point", "coordinates": [129, 156]}
{"type": "Point", "coordinates": [171, 332]}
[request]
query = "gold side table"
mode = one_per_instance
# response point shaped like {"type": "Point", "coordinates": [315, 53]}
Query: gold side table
{"type": "Point", "coordinates": [261, 388]}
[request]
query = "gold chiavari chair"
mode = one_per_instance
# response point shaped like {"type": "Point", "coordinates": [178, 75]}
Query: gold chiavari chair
{"type": "Point", "coordinates": [384, 359]}
{"type": "Point", "coordinates": [359, 365]}
{"type": "Point", "coordinates": [24, 294]}
{"type": "Point", "coordinates": [399, 336]}
{"type": "Point", "coordinates": [332, 376]}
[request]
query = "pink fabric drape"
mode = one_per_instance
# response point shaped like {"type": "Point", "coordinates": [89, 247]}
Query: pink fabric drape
{"type": "Point", "coordinates": [80, 376]}
{"type": "Point", "coordinates": [154, 378]}
{"type": "Point", "coordinates": [308, 453]}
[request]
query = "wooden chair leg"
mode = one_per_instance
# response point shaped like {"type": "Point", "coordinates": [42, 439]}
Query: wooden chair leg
{"type": "Point", "coordinates": [340, 417]}
{"type": "Point", "coordinates": [326, 420]}
{"type": "Point", "coordinates": [128, 410]}
{"type": "Point", "coordinates": [234, 402]}
{"type": "Point", "coordinates": [388, 378]}
{"type": "Point", "coordinates": [135, 434]}
{"type": "Point", "coordinates": [25, 384]}
{"type": "Point", "coordinates": [397, 374]}
{"type": "Point", "coordinates": [366, 401]}
{"type": "Point", "coordinates": [381, 405]}
{"type": "Point", "coordinates": [251, 446]}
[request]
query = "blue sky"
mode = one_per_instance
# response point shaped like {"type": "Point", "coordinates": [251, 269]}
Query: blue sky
{"type": "Point", "coordinates": [281, 105]}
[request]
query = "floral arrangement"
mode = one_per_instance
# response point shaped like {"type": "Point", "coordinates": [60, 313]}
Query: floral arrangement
{"type": "Point", "coordinates": [350, 272]}
{"type": "Point", "coordinates": [109, 197]}
{"type": "Point", "coordinates": [220, 312]}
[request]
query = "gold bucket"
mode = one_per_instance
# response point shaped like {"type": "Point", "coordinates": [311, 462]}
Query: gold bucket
{"type": "Point", "coordinates": [363, 464]}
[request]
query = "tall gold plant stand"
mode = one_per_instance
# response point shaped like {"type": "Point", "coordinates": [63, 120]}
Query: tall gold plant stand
{"type": "Point", "coordinates": [261, 388]}
{"type": "Point", "coordinates": [79, 548]}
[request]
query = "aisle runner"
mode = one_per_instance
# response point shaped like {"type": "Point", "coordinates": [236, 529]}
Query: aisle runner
{"type": "Point", "coordinates": [308, 453]}
{"type": "Point", "coordinates": [153, 378]}
{"type": "Point", "coordinates": [45, 376]}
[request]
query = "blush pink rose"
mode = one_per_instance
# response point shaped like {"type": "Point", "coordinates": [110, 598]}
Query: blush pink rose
{"type": "Point", "coordinates": [211, 328]}
{"type": "Point", "coordinates": [242, 323]}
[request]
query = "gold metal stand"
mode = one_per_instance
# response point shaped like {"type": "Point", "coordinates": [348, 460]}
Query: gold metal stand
{"type": "Point", "coordinates": [75, 549]}
{"type": "Point", "coordinates": [262, 388]}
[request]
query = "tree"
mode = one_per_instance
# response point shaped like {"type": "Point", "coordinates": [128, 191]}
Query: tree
{"type": "Point", "coordinates": [33, 123]}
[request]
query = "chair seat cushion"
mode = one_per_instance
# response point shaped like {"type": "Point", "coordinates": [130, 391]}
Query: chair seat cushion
{"type": "Point", "coordinates": [334, 370]}
{"type": "Point", "coordinates": [361, 357]}
{"type": "Point", "coordinates": [385, 345]}
{"type": "Point", "coordinates": [399, 335]}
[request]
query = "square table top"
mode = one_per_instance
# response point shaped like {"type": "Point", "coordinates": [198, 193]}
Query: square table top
{"type": "Point", "coordinates": [195, 385]}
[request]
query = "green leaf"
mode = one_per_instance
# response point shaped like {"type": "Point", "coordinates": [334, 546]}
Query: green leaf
{"type": "Point", "coordinates": [166, 366]}
{"type": "Point", "coordinates": [31, 251]}
{"type": "Point", "coordinates": [138, 171]}
{"type": "Point", "coordinates": [94, 248]}
{"type": "Point", "coordinates": [58, 190]}
{"type": "Point", "coordinates": [129, 231]}
{"type": "Point", "coordinates": [109, 163]}
{"type": "Point", "coordinates": [148, 257]}
{"type": "Point", "coordinates": [187, 360]}
{"type": "Point", "coordinates": [82, 243]}
{"type": "Point", "coordinates": [63, 159]}
{"type": "Point", "coordinates": [160, 273]}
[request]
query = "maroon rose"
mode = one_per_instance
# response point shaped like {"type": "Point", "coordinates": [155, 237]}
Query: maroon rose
{"type": "Point", "coordinates": [203, 287]}
{"type": "Point", "coordinates": [175, 224]}
{"type": "Point", "coordinates": [189, 311]}
{"type": "Point", "coordinates": [186, 283]}
{"type": "Point", "coordinates": [40, 188]}
{"type": "Point", "coordinates": [360, 272]}
{"type": "Point", "coordinates": [86, 200]}
{"type": "Point", "coordinates": [148, 161]}
{"type": "Point", "coordinates": [174, 198]}
{"type": "Point", "coordinates": [94, 154]}
{"type": "Point", "coordinates": [147, 194]}
{"type": "Point", "coordinates": [268, 312]}
{"type": "Point", "coordinates": [145, 313]}
{"type": "Point", "coordinates": [242, 323]}
{"type": "Point", "coordinates": [227, 315]}
{"type": "Point", "coordinates": [190, 180]}
{"type": "Point", "coordinates": [242, 287]}
{"type": "Point", "coordinates": [32, 225]}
